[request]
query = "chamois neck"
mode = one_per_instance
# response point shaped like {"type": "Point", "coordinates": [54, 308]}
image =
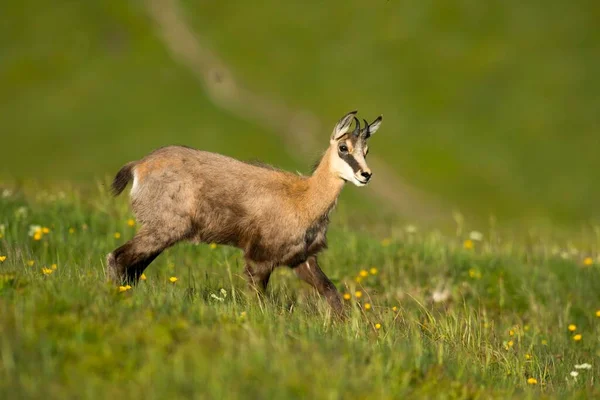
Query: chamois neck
{"type": "Point", "coordinates": [324, 187]}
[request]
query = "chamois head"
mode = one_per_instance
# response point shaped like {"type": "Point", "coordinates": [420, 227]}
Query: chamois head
{"type": "Point", "coordinates": [348, 149]}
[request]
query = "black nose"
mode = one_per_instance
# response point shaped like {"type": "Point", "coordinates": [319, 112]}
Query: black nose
{"type": "Point", "coordinates": [366, 175]}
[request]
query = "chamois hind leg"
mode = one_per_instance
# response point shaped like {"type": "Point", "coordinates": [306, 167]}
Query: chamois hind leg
{"type": "Point", "coordinates": [310, 272]}
{"type": "Point", "coordinates": [258, 275]}
{"type": "Point", "coordinates": [127, 263]}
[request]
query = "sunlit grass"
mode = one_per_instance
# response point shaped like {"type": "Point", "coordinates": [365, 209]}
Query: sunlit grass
{"type": "Point", "coordinates": [427, 315]}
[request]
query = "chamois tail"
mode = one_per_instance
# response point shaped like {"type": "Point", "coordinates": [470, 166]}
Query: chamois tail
{"type": "Point", "coordinates": [122, 178]}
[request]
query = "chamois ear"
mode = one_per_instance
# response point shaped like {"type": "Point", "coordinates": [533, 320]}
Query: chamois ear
{"type": "Point", "coordinates": [343, 126]}
{"type": "Point", "coordinates": [373, 126]}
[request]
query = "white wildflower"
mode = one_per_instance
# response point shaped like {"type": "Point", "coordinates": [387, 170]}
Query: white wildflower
{"type": "Point", "coordinates": [6, 193]}
{"type": "Point", "coordinates": [21, 212]}
{"type": "Point", "coordinates": [439, 296]}
{"type": "Point", "coordinates": [218, 298]}
{"type": "Point", "coordinates": [583, 366]}
{"type": "Point", "coordinates": [476, 236]}
{"type": "Point", "coordinates": [33, 229]}
{"type": "Point", "coordinates": [564, 255]}
{"type": "Point", "coordinates": [410, 229]}
{"type": "Point", "coordinates": [574, 374]}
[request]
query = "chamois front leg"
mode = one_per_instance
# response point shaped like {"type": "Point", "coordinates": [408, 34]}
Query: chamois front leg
{"type": "Point", "coordinates": [310, 272]}
{"type": "Point", "coordinates": [258, 276]}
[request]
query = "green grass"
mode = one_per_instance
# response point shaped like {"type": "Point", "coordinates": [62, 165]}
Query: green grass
{"type": "Point", "coordinates": [69, 334]}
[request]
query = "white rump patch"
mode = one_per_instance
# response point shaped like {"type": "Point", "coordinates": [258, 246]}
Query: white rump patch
{"type": "Point", "coordinates": [135, 186]}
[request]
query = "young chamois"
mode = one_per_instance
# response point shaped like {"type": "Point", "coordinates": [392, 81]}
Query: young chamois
{"type": "Point", "coordinates": [276, 217]}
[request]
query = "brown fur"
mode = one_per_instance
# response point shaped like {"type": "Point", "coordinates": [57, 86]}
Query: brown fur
{"type": "Point", "coordinates": [275, 217]}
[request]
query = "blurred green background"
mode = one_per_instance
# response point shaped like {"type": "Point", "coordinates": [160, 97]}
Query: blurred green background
{"type": "Point", "coordinates": [489, 107]}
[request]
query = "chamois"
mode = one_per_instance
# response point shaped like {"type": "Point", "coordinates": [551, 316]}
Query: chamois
{"type": "Point", "coordinates": [275, 217]}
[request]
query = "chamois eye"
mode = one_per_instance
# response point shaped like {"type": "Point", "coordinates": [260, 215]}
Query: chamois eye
{"type": "Point", "coordinates": [343, 148]}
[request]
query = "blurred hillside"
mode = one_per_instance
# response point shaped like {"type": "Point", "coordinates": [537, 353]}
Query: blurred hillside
{"type": "Point", "coordinates": [491, 107]}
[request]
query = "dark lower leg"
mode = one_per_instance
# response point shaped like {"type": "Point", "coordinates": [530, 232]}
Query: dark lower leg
{"type": "Point", "coordinates": [311, 273]}
{"type": "Point", "coordinates": [258, 277]}
{"type": "Point", "coordinates": [127, 263]}
{"type": "Point", "coordinates": [135, 270]}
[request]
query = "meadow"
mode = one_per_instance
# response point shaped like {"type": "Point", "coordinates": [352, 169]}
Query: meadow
{"type": "Point", "coordinates": [490, 108]}
{"type": "Point", "coordinates": [473, 314]}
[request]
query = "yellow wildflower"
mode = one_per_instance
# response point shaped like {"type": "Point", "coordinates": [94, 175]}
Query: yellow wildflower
{"type": "Point", "coordinates": [71, 230]}
{"type": "Point", "coordinates": [212, 246]}
{"type": "Point", "coordinates": [364, 273]}
{"type": "Point", "coordinates": [130, 222]}
{"type": "Point", "coordinates": [53, 267]}
{"type": "Point", "coordinates": [37, 235]}
{"type": "Point", "coordinates": [577, 337]}
{"type": "Point", "coordinates": [47, 271]}
{"type": "Point", "coordinates": [394, 308]}
{"type": "Point", "coordinates": [173, 279]}
{"type": "Point", "coordinates": [347, 296]}
{"type": "Point", "coordinates": [468, 244]}
{"type": "Point", "coordinates": [588, 261]}
{"type": "Point", "coordinates": [572, 327]}
{"type": "Point", "coordinates": [528, 356]}
{"type": "Point", "coordinates": [544, 342]}
{"type": "Point", "coordinates": [377, 326]}
{"type": "Point", "coordinates": [532, 381]}
{"type": "Point", "coordinates": [45, 230]}
{"type": "Point", "coordinates": [117, 235]}
{"type": "Point", "coordinates": [473, 273]}
{"type": "Point", "coordinates": [510, 343]}
{"type": "Point", "coordinates": [373, 271]}
{"type": "Point", "coordinates": [367, 306]}
{"type": "Point", "coordinates": [2, 258]}
{"type": "Point", "coordinates": [358, 279]}
{"type": "Point", "coordinates": [358, 294]}
{"type": "Point", "coordinates": [143, 277]}
{"type": "Point", "coordinates": [511, 333]}
{"type": "Point", "coordinates": [598, 313]}
{"type": "Point", "coordinates": [243, 314]}
{"type": "Point", "coordinates": [30, 263]}
{"type": "Point", "coordinates": [124, 288]}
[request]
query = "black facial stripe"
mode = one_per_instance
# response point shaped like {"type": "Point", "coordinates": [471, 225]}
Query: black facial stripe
{"type": "Point", "coordinates": [350, 160]}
